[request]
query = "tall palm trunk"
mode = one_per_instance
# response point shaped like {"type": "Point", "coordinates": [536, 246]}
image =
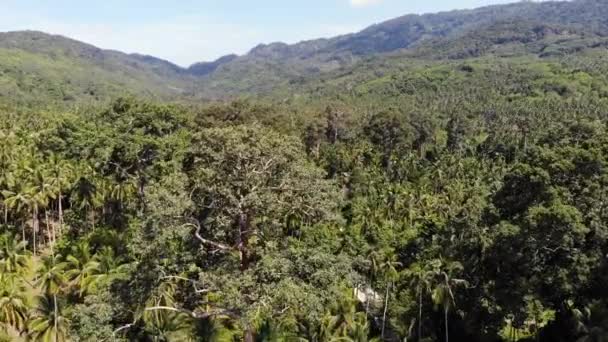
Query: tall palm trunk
{"type": "Point", "coordinates": [248, 335]}
{"type": "Point", "coordinates": [447, 333]}
{"type": "Point", "coordinates": [55, 317]}
{"type": "Point", "coordinates": [35, 224]}
{"type": "Point", "coordinates": [51, 235]}
{"type": "Point", "coordinates": [388, 286]}
{"type": "Point", "coordinates": [60, 211]}
{"type": "Point", "coordinates": [419, 313]}
{"type": "Point", "coordinates": [23, 236]}
{"type": "Point", "coordinates": [367, 302]}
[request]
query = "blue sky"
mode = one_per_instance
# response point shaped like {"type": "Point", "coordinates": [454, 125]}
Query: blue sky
{"type": "Point", "coordinates": [187, 31]}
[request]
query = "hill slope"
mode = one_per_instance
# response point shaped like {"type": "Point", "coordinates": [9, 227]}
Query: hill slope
{"type": "Point", "coordinates": [428, 36]}
{"type": "Point", "coordinates": [39, 67]}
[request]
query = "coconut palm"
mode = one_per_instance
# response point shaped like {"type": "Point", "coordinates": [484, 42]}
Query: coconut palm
{"type": "Point", "coordinates": [18, 200]}
{"type": "Point", "coordinates": [48, 323]}
{"type": "Point", "coordinates": [419, 277]}
{"type": "Point", "coordinates": [60, 174]}
{"type": "Point", "coordinates": [85, 196]}
{"type": "Point", "coordinates": [110, 266]}
{"type": "Point", "coordinates": [373, 258]}
{"type": "Point", "coordinates": [52, 282]}
{"type": "Point", "coordinates": [592, 322]}
{"type": "Point", "coordinates": [390, 273]}
{"type": "Point", "coordinates": [6, 181]}
{"type": "Point", "coordinates": [7, 160]}
{"type": "Point", "coordinates": [81, 269]}
{"type": "Point", "coordinates": [51, 278]}
{"type": "Point", "coordinates": [344, 322]}
{"type": "Point", "coordinates": [40, 191]}
{"type": "Point", "coordinates": [13, 257]}
{"type": "Point", "coordinates": [165, 324]}
{"type": "Point", "coordinates": [13, 302]}
{"type": "Point", "coordinates": [444, 286]}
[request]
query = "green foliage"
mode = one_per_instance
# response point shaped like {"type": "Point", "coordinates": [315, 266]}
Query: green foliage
{"type": "Point", "coordinates": [399, 197]}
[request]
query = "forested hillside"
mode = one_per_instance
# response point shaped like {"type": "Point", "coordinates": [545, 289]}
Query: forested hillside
{"type": "Point", "coordinates": [451, 191]}
{"type": "Point", "coordinates": [38, 68]}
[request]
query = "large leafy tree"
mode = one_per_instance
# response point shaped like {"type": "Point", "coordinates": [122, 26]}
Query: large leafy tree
{"type": "Point", "coordinates": [253, 190]}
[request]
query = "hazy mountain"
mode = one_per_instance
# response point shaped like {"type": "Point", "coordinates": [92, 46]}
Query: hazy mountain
{"type": "Point", "coordinates": [37, 65]}
{"type": "Point", "coordinates": [426, 36]}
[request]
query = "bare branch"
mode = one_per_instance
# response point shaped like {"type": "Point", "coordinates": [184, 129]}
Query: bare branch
{"type": "Point", "coordinates": [168, 308]}
{"type": "Point", "coordinates": [193, 282]}
{"type": "Point", "coordinates": [204, 241]}
{"type": "Point", "coordinates": [124, 327]}
{"type": "Point", "coordinates": [193, 314]}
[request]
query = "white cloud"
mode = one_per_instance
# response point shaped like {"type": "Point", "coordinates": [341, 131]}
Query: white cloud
{"type": "Point", "coordinates": [364, 3]}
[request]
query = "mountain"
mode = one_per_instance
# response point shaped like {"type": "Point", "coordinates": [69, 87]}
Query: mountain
{"type": "Point", "coordinates": [38, 66]}
{"type": "Point", "coordinates": [412, 34]}
{"type": "Point", "coordinates": [206, 68]}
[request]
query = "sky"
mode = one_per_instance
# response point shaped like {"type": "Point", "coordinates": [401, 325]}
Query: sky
{"type": "Point", "coordinates": [189, 31]}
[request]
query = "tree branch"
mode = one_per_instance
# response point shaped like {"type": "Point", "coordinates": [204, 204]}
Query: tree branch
{"type": "Point", "coordinates": [192, 314]}
{"type": "Point", "coordinates": [204, 241]}
{"type": "Point", "coordinates": [168, 308]}
{"type": "Point", "coordinates": [193, 282]}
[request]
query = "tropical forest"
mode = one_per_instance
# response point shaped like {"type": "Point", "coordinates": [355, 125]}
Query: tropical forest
{"type": "Point", "coordinates": [433, 178]}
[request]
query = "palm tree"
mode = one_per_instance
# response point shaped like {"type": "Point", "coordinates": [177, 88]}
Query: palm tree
{"type": "Point", "coordinates": [389, 270]}
{"type": "Point", "coordinates": [18, 199]}
{"type": "Point", "coordinates": [81, 269]}
{"type": "Point", "coordinates": [110, 266]}
{"type": "Point", "coordinates": [31, 191]}
{"type": "Point", "coordinates": [60, 174]}
{"type": "Point", "coordinates": [13, 302]}
{"type": "Point", "coordinates": [592, 322]}
{"type": "Point", "coordinates": [374, 267]}
{"type": "Point", "coordinates": [51, 278]}
{"type": "Point", "coordinates": [5, 183]}
{"type": "Point", "coordinates": [444, 285]}
{"type": "Point", "coordinates": [344, 322]}
{"type": "Point", "coordinates": [122, 191]}
{"type": "Point", "coordinates": [420, 279]}
{"type": "Point", "coordinates": [40, 192]}
{"type": "Point", "coordinates": [52, 282]}
{"type": "Point", "coordinates": [7, 159]}
{"type": "Point", "coordinates": [164, 324]}
{"type": "Point", "coordinates": [48, 324]}
{"type": "Point", "coordinates": [86, 195]}
{"type": "Point", "coordinates": [13, 257]}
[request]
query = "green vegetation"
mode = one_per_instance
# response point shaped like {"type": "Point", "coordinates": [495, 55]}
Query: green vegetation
{"type": "Point", "coordinates": [432, 194]}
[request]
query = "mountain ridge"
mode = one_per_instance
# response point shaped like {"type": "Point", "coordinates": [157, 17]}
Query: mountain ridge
{"type": "Point", "coordinates": [69, 65]}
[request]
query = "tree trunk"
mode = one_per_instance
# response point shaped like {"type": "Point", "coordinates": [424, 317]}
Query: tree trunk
{"type": "Point", "coordinates": [248, 336]}
{"type": "Point", "coordinates": [51, 235]}
{"type": "Point", "coordinates": [243, 240]}
{"type": "Point", "coordinates": [447, 333]}
{"type": "Point", "coordinates": [388, 286]}
{"type": "Point", "coordinates": [93, 219]}
{"type": "Point", "coordinates": [367, 302]}
{"type": "Point", "coordinates": [60, 211]}
{"type": "Point", "coordinates": [23, 236]}
{"type": "Point", "coordinates": [141, 192]}
{"type": "Point", "coordinates": [35, 225]}
{"type": "Point", "coordinates": [419, 313]}
{"type": "Point", "coordinates": [55, 317]}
